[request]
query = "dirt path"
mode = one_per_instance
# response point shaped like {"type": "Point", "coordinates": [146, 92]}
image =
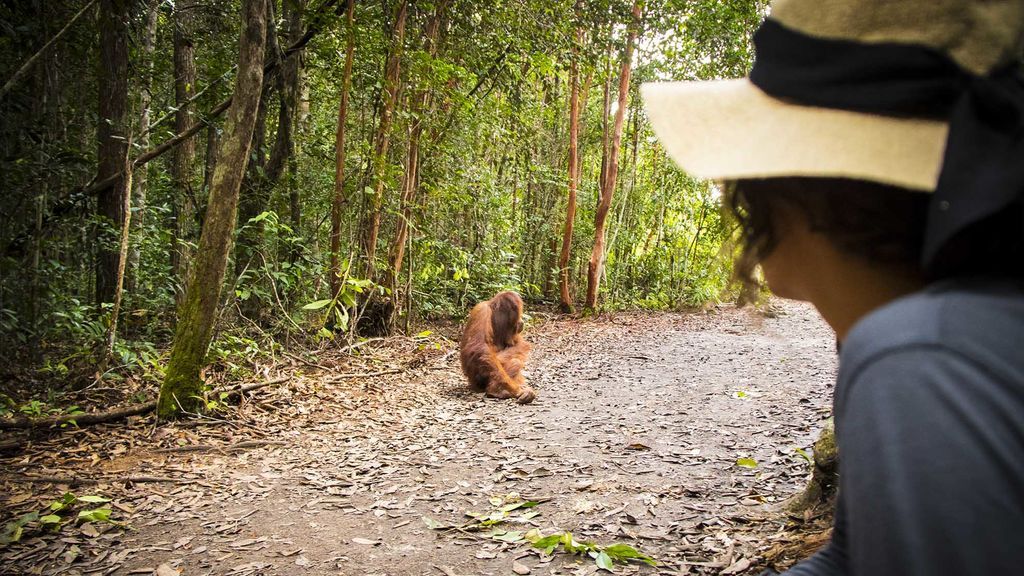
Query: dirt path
{"type": "Point", "coordinates": [634, 438]}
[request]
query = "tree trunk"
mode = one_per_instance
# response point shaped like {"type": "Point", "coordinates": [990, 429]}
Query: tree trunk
{"type": "Point", "coordinates": [266, 172]}
{"type": "Point", "coordinates": [212, 138]}
{"type": "Point", "coordinates": [292, 68]}
{"type": "Point", "coordinates": [820, 492]}
{"type": "Point", "coordinates": [692, 249]}
{"type": "Point", "coordinates": [122, 256]}
{"type": "Point", "coordinates": [606, 110]}
{"type": "Point", "coordinates": [388, 100]}
{"type": "Point", "coordinates": [287, 79]}
{"type": "Point", "coordinates": [596, 264]}
{"type": "Point", "coordinates": [182, 385]}
{"type": "Point", "coordinates": [253, 201]}
{"type": "Point", "coordinates": [338, 201]}
{"type": "Point", "coordinates": [42, 107]}
{"type": "Point", "coordinates": [112, 135]}
{"type": "Point", "coordinates": [628, 190]}
{"type": "Point", "coordinates": [183, 196]}
{"type": "Point", "coordinates": [574, 177]}
{"type": "Point", "coordinates": [410, 183]}
{"type": "Point", "coordinates": [138, 197]}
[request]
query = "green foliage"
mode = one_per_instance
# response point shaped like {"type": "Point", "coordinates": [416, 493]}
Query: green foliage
{"type": "Point", "coordinates": [237, 352]}
{"type": "Point", "coordinates": [32, 409]}
{"type": "Point", "coordinates": [279, 273]}
{"type": "Point", "coordinates": [76, 332]}
{"type": "Point", "coordinates": [218, 404]}
{"type": "Point", "coordinates": [512, 508]}
{"type": "Point", "coordinates": [803, 453]}
{"type": "Point", "coordinates": [91, 508]}
{"type": "Point", "coordinates": [336, 311]}
{"type": "Point", "coordinates": [604, 556]}
{"type": "Point", "coordinates": [7, 405]}
{"type": "Point", "coordinates": [39, 409]}
{"type": "Point", "coordinates": [487, 214]}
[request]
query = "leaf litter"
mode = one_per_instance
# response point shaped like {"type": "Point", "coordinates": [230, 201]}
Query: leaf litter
{"type": "Point", "coordinates": [634, 440]}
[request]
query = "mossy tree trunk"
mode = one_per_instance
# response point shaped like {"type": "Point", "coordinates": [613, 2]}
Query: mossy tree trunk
{"type": "Point", "coordinates": [821, 489]}
{"type": "Point", "coordinates": [182, 386]}
{"type": "Point", "coordinates": [183, 203]}
{"type": "Point", "coordinates": [265, 172]}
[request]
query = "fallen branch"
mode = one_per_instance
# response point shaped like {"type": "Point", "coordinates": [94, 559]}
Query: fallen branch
{"type": "Point", "coordinates": [79, 420]}
{"type": "Point", "coordinates": [12, 444]}
{"type": "Point", "coordinates": [23, 422]}
{"type": "Point", "coordinates": [307, 362]}
{"type": "Point", "coordinates": [230, 448]}
{"type": "Point", "coordinates": [236, 392]}
{"type": "Point", "coordinates": [80, 480]}
{"type": "Point", "coordinates": [340, 377]}
{"type": "Point", "coordinates": [352, 347]}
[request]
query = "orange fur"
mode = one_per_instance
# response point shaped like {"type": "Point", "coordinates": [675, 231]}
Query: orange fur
{"type": "Point", "coordinates": [492, 350]}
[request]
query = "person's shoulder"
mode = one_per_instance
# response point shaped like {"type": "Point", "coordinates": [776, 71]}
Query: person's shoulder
{"type": "Point", "coordinates": [963, 316]}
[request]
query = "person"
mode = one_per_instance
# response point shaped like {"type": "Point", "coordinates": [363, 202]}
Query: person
{"type": "Point", "coordinates": [874, 162]}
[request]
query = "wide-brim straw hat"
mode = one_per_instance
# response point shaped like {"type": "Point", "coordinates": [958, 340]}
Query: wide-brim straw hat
{"type": "Point", "coordinates": [730, 129]}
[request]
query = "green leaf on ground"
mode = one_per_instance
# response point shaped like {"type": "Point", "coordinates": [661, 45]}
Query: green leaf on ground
{"type": "Point", "coordinates": [625, 552]}
{"type": "Point", "coordinates": [511, 536]}
{"type": "Point", "coordinates": [433, 524]}
{"type": "Point", "coordinates": [66, 500]}
{"type": "Point", "coordinates": [604, 562]}
{"type": "Point", "coordinates": [96, 515]}
{"type": "Point", "coordinates": [548, 543]}
{"type": "Point", "coordinates": [604, 556]}
{"type": "Point", "coordinates": [11, 534]}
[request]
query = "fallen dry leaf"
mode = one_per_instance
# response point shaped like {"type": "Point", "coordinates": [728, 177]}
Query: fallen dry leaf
{"type": "Point", "coordinates": [737, 567]}
{"type": "Point", "coordinates": [520, 568]}
{"type": "Point", "coordinates": [166, 570]}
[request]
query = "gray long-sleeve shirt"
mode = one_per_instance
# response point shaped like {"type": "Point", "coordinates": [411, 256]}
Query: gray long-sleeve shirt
{"type": "Point", "coordinates": [929, 412]}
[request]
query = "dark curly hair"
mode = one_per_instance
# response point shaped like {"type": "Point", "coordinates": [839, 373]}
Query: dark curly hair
{"type": "Point", "coordinates": [877, 222]}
